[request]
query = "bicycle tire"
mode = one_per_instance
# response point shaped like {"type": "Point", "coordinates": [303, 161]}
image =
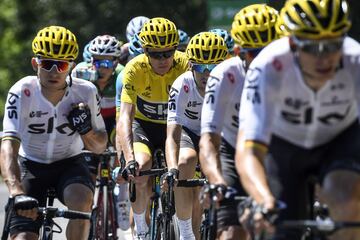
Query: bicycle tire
{"type": "Point", "coordinates": [153, 220]}
{"type": "Point", "coordinates": [112, 226]}
{"type": "Point", "coordinates": [101, 215]}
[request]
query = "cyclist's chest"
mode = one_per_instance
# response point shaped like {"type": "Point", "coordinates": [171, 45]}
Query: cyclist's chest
{"type": "Point", "coordinates": [332, 103]}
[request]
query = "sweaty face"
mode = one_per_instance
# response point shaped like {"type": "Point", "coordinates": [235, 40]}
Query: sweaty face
{"type": "Point", "coordinates": [161, 60]}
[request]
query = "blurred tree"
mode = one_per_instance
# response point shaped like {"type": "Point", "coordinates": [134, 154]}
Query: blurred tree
{"type": "Point", "coordinates": [21, 19]}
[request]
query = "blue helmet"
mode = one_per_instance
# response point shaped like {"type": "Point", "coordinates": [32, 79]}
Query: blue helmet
{"type": "Point", "coordinates": [86, 53]}
{"type": "Point", "coordinates": [134, 26]}
{"type": "Point", "coordinates": [135, 47]}
{"type": "Point", "coordinates": [229, 41]}
{"type": "Point", "coordinates": [183, 37]}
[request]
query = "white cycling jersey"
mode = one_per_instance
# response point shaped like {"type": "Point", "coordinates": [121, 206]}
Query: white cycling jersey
{"type": "Point", "coordinates": [222, 100]}
{"type": "Point", "coordinates": [277, 101]}
{"type": "Point", "coordinates": [185, 102]}
{"type": "Point", "coordinates": [43, 128]}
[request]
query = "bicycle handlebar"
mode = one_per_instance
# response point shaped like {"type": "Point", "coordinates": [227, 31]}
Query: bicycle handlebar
{"type": "Point", "coordinates": [53, 212]}
{"type": "Point", "coordinates": [191, 182]}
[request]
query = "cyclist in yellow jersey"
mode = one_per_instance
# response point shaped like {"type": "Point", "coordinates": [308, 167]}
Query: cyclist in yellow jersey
{"type": "Point", "coordinates": [142, 122]}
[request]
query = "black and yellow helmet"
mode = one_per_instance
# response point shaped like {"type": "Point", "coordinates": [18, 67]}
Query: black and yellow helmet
{"type": "Point", "coordinates": [280, 26]}
{"type": "Point", "coordinates": [315, 19]}
{"type": "Point", "coordinates": [55, 42]}
{"type": "Point", "coordinates": [254, 26]}
{"type": "Point", "coordinates": [206, 48]}
{"type": "Point", "coordinates": [159, 33]}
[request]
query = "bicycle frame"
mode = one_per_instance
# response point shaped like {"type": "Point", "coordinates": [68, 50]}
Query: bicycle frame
{"type": "Point", "coordinates": [104, 224]}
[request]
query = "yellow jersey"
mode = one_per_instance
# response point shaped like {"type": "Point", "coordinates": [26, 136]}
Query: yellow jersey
{"type": "Point", "coordinates": [148, 91]}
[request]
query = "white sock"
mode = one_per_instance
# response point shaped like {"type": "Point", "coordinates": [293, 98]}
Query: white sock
{"type": "Point", "coordinates": [186, 232]}
{"type": "Point", "coordinates": [140, 223]}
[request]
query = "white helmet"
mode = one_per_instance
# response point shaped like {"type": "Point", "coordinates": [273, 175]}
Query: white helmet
{"type": "Point", "coordinates": [105, 45]}
{"type": "Point", "coordinates": [134, 26]}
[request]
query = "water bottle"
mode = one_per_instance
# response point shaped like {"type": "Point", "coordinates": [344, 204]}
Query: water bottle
{"type": "Point", "coordinates": [122, 203]}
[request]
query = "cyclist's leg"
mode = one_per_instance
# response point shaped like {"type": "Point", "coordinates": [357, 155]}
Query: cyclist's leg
{"type": "Point", "coordinates": [143, 188]}
{"type": "Point", "coordinates": [341, 180]}
{"type": "Point", "coordinates": [184, 196]}
{"type": "Point", "coordinates": [36, 178]}
{"type": "Point", "coordinates": [228, 220]}
{"type": "Point", "coordinates": [76, 190]}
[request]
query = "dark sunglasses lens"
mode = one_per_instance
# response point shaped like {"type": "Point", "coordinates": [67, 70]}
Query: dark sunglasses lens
{"type": "Point", "coordinates": [61, 65]}
{"type": "Point", "coordinates": [323, 48]}
{"type": "Point", "coordinates": [159, 55]}
{"type": "Point", "coordinates": [103, 63]}
{"type": "Point", "coordinates": [201, 68]}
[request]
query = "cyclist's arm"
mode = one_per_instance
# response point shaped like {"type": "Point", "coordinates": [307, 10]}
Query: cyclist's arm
{"type": "Point", "coordinates": [176, 108]}
{"type": "Point", "coordinates": [257, 111]}
{"type": "Point", "coordinates": [209, 157]}
{"type": "Point", "coordinates": [249, 161]}
{"type": "Point", "coordinates": [10, 170]}
{"type": "Point", "coordinates": [96, 139]}
{"type": "Point", "coordinates": [173, 136]}
{"type": "Point", "coordinates": [124, 130]}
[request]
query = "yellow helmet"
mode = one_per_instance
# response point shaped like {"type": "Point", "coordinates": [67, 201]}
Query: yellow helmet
{"type": "Point", "coordinates": [55, 42]}
{"type": "Point", "coordinates": [206, 48]}
{"type": "Point", "coordinates": [315, 19]}
{"type": "Point", "coordinates": [280, 27]}
{"type": "Point", "coordinates": [254, 26]}
{"type": "Point", "coordinates": [159, 33]}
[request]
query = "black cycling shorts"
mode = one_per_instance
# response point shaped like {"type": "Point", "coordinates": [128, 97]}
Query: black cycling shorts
{"type": "Point", "coordinates": [227, 214]}
{"type": "Point", "coordinates": [290, 169]}
{"type": "Point", "coordinates": [153, 135]}
{"type": "Point", "coordinates": [189, 139]}
{"type": "Point", "coordinates": [36, 178]}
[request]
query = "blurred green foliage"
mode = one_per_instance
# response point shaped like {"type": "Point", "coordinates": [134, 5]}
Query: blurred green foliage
{"type": "Point", "coordinates": [21, 19]}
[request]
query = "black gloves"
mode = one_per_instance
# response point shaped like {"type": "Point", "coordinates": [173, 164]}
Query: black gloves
{"type": "Point", "coordinates": [130, 169]}
{"type": "Point", "coordinates": [23, 202]}
{"type": "Point", "coordinates": [80, 118]}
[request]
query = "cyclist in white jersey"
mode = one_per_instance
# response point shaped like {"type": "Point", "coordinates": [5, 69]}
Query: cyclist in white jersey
{"type": "Point", "coordinates": [219, 123]}
{"type": "Point", "coordinates": [299, 117]}
{"type": "Point", "coordinates": [49, 119]}
{"type": "Point", "coordinates": [205, 50]}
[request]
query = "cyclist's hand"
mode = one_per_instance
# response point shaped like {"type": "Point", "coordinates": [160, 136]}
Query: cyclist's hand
{"type": "Point", "coordinates": [256, 221]}
{"type": "Point", "coordinates": [172, 174]}
{"type": "Point", "coordinates": [26, 206]}
{"type": "Point", "coordinates": [116, 175]}
{"type": "Point", "coordinates": [80, 118]}
{"type": "Point", "coordinates": [130, 171]}
{"type": "Point", "coordinates": [212, 192]}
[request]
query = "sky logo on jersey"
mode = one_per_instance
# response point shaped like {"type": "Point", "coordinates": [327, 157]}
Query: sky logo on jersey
{"type": "Point", "coordinates": [151, 110]}
{"type": "Point", "coordinates": [172, 104]}
{"type": "Point", "coordinates": [12, 106]}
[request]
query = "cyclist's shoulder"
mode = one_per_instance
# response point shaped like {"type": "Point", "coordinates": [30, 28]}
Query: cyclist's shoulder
{"type": "Point", "coordinates": [28, 82]}
{"type": "Point", "coordinates": [185, 78]}
{"type": "Point", "coordinates": [180, 61]}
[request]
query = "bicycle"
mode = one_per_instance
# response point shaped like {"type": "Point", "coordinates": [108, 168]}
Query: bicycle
{"type": "Point", "coordinates": [160, 214]}
{"type": "Point", "coordinates": [208, 229]}
{"type": "Point", "coordinates": [103, 220]}
{"type": "Point", "coordinates": [47, 215]}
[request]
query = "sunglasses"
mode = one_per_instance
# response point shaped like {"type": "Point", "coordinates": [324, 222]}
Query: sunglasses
{"type": "Point", "coordinates": [48, 64]}
{"type": "Point", "coordinates": [201, 68]}
{"type": "Point", "coordinates": [160, 55]}
{"type": "Point", "coordinates": [319, 47]}
{"type": "Point", "coordinates": [253, 52]}
{"type": "Point", "coordinates": [103, 63]}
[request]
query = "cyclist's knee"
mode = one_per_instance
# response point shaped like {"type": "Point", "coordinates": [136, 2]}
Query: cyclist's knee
{"type": "Point", "coordinates": [232, 233]}
{"type": "Point", "coordinates": [78, 197]}
{"type": "Point", "coordinates": [340, 187]}
{"type": "Point", "coordinates": [25, 236]}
